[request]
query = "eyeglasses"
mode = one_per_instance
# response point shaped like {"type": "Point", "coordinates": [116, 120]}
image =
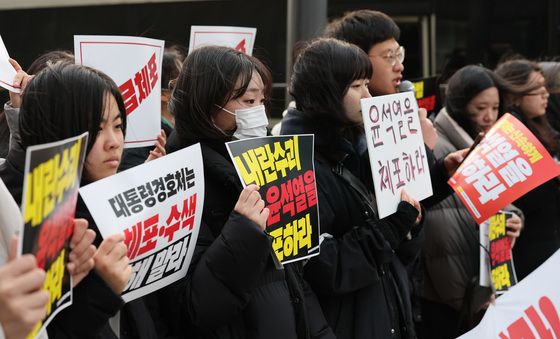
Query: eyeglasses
{"type": "Point", "coordinates": [392, 56]}
{"type": "Point", "coordinates": [539, 92]}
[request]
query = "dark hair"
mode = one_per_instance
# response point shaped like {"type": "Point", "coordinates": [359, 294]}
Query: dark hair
{"type": "Point", "coordinates": [170, 66]}
{"type": "Point", "coordinates": [551, 73]}
{"type": "Point", "coordinates": [364, 28]}
{"type": "Point", "coordinates": [518, 72]}
{"type": "Point", "coordinates": [466, 84]}
{"type": "Point", "coordinates": [210, 77]}
{"type": "Point", "coordinates": [321, 77]}
{"type": "Point", "coordinates": [50, 58]}
{"type": "Point", "coordinates": [65, 100]}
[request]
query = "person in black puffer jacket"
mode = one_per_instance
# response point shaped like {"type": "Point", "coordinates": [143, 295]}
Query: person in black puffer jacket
{"type": "Point", "coordinates": [359, 275]}
{"type": "Point", "coordinates": [233, 288]}
{"type": "Point", "coordinates": [62, 101]}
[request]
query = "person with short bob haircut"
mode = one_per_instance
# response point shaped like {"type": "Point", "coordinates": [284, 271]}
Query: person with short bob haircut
{"type": "Point", "coordinates": [233, 288]}
{"type": "Point", "coordinates": [359, 275]}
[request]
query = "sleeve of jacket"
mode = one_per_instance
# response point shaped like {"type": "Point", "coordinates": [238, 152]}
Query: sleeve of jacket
{"type": "Point", "coordinates": [224, 271]}
{"type": "Point", "coordinates": [12, 117]}
{"type": "Point", "coordinates": [351, 261]}
{"type": "Point", "coordinates": [92, 305]}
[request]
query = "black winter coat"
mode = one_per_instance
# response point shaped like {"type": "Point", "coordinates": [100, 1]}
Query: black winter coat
{"type": "Point", "coordinates": [359, 276]}
{"type": "Point", "coordinates": [233, 289]}
{"type": "Point", "coordinates": [93, 301]}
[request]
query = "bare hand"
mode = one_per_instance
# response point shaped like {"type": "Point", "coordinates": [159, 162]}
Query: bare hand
{"type": "Point", "coordinates": [23, 300]}
{"type": "Point", "coordinates": [111, 262]}
{"type": "Point", "coordinates": [429, 133]}
{"type": "Point", "coordinates": [405, 197]}
{"type": "Point", "coordinates": [83, 250]}
{"type": "Point", "coordinates": [20, 81]}
{"type": "Point", "coordinates": [452, 161]}
{"type": "Point", "coordinates": [514, 226]}
{"type": "Point", "coordinates": [159, 150]}
{"type": "Point", "coordinates": [252, 207]}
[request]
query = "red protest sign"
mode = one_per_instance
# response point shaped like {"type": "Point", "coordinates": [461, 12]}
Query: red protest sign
{"type": "Point", "coordinates": [508, 163]}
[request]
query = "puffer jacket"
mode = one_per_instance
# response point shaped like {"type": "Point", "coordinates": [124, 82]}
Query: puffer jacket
{"type": "Point", "coordinates": [233, 289]}
{"type": "Point", "coordinates": [358, 276]}
{"type": "Point", "coordinates": [450, 255]}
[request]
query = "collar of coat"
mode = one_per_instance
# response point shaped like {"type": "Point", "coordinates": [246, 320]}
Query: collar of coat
{"type": "Point", "coordinates": [327, 142]}
{"type": "Point", "coordinates": [450, 129]}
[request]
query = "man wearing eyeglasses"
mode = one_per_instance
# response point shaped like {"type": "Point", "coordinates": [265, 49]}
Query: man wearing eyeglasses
{"type": "Point", "coordinates": [377, 35]}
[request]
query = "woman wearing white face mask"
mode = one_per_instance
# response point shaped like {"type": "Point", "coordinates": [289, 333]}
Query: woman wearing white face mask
{"type": "Point", "coordinates": [233, 289]}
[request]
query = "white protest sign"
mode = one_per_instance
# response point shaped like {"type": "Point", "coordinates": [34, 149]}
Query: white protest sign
{"type": "Point", "coordinates": [158, 206]}
{"type": "Point", "coordinates": [238, 38]}
{"type": "Point", "coordinates": [7, 71]}
{"type": "Point", "coordinates": [396, 149]}
{"type": "Point", "coordinates": [528, 310]}
{"type": "Point", "coordinates": [135, 65]}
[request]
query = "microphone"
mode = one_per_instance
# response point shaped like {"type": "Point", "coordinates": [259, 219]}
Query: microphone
{"type": "Point", "coordinates": [406, 86]}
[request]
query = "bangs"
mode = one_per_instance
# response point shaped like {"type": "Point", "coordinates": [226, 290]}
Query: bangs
{"type": "Point", "coordinates": [245, 71]}
{"type": "Point", "coordinates": [351, 64]}
{"type": "Point", "coordinates": [362, 67]}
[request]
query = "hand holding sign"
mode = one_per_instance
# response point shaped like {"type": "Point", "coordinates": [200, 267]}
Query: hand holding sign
{"type": "Point", "coordinates": [23, 300]}
{"type": "Point", "coordinates": [111, 262]}
{"type": "Point", "coordinates": [406, 198]}
{"type": "Point", "coordinates": [514, 226]}
{"type": "Point", "coordinates": [21, 79]}
{"type": "Point", "coordinates": [429, 132]}
{"type": "Point", "coordinates": [509, 162]}
{"type": "Point", "coordinates": [83, 250]}
{"type": "Point", "coordinates": [251, 206]}
{"type": "Point", "coordinates": [158, 151]}
{"type": "Point", "coordinates": [396, 149]}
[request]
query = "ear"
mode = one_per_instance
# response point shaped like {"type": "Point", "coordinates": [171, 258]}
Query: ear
{"type": "Point", "coordinates": [517, 101]}
{"type": "Point", "coordinates": [165, 96]}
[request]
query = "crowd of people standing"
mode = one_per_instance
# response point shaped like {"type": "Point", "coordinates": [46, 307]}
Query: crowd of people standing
{"type": "Point", "coordinates": [413, 274]}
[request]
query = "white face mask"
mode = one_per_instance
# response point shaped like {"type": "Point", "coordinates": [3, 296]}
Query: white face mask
{"type": "Point", "coordinates": [251, 122]}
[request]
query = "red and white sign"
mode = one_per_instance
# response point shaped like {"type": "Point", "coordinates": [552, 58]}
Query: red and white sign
{"type": "Point", "coordinates": [529, 310]}
{"type": "Point", "coordinates": [7, 71]}
{"type": "Point", "coordinates": [507, 163]}
{"type": "Point", "coordinates": [158, 206]}
{"type": "Point", "coordinates": [135, 65]}
{"type": "Point", "coordinates": [396, 149]}
{"type": "Point", "coordinates": [238, 38]}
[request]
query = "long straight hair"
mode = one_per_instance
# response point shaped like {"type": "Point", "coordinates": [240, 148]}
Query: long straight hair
{"type": "Point", "coordinates": [518, 72]}
{"type": "Point", "coordinates": [65, 100]}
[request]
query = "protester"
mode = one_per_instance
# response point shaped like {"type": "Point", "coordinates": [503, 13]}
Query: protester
{"type": "Point", "coordinates": [359, 280]}
{"type": "Point", "coordinates": [551, 72]}
{"type": "Point", "coordinates": [541, 206]}
{"type": "Point", "coordinates": [233, 288]}
{"type": "Point", "coordinates": [452, 299]}
{"type": "Point", "coordinates": [62, 101]}
{"type": "Point", "coordinates": [22, 298]}
{"type": "Point", "coordinates": [377, 35]}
